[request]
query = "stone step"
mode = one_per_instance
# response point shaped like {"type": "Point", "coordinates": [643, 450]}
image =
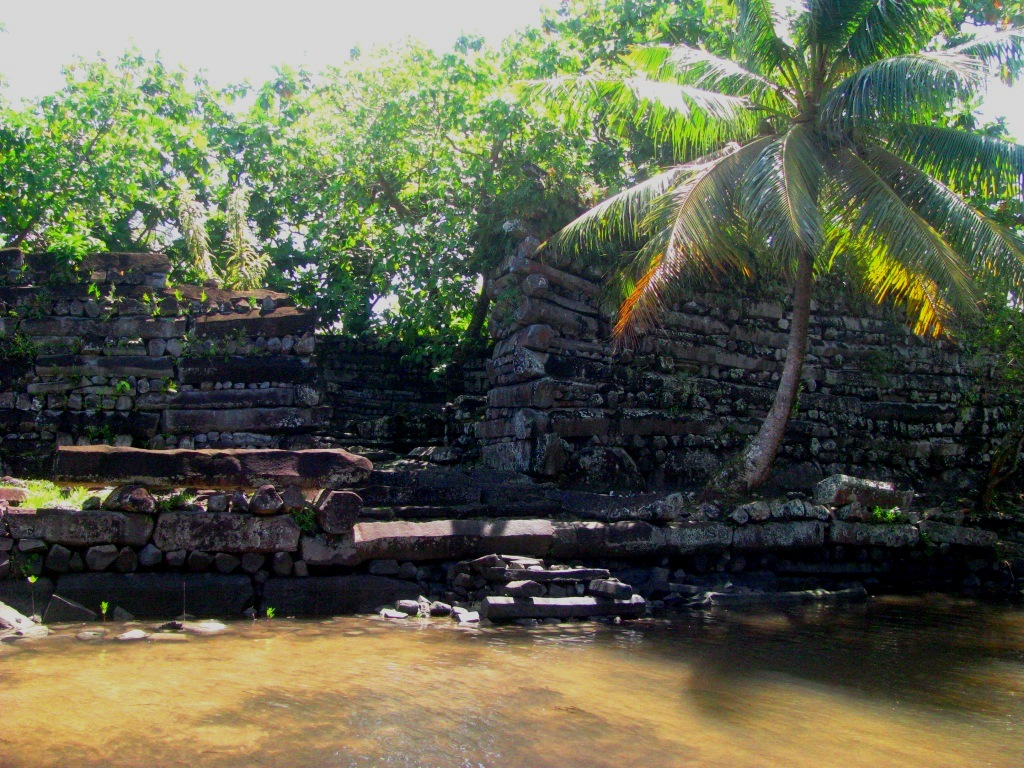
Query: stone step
{"type": "Point", "coordinates": [547, 574]}
{"type": "Point", "coordinates": [459, 512]}
{"type": "Point", "coordinates": [451, 539]}
{"type": "Point", "coordinates": [430, 496]}
{"type": "Point", "coordinates": [210, 469]}
{"type": "Point", "coordinates": [498, 608]}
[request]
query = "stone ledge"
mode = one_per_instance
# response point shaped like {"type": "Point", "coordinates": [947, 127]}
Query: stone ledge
{"type": "Point", "coordinates": [507, 608]}
{"type": "Point", "coordinates": [210, 469]}
{"type": "Point", "coordinates": [226, 532]}
{"type": "Point", "coordinates": [452, 539]}
{"type": "Point", "coordinates": [73, 528]}
{"type": "Point", "coordinates": [160, 595]}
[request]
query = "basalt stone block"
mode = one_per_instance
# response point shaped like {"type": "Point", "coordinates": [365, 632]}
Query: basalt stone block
{"type": "Point", "coordinates": [498, 608]}
{"type": "Point", "coordinates": [161, 595]}
{"type": "Point", "coordinates": [237, 468]}
{"type": "Point", "coordinates": [320, 552]}
{"type": "Point", "coordinates": [839, 490]}
{"type": "Point", "coordinates": [451, 539]}
{"type": "Point", "coordinates": [75, 528]}
{"type": "Point", "coordinates": [225, 563]}
{"type": "Point", "coordinates": [150, 556]}
{"type": "Point", "coordinates": [266, 501]}
{"type": "Point", "coordinates": [525, 588]}
{"type": "Point", "coordinates": [560, 574]}
{"type": "Point", "coordinates": [809, 533]}
{"type": "Point", "coordinates": [611, 588]}
{"type": "Point", "coordinates": [694, 537]}
{"type": "Point", "coordinates": [281, 322]}
{"type": "Point", "coordinates": [127, 561]}
{"type": "Point", "coordinates": [246, 368]}
{"type": "Point", "coordinates": [337, 511]}
{"type": "Point", "coordinates": [101, 557]}
{"type": "Point", "coordinates": [335, 595]}
{"type": "Point", "coordinates": [61, 610]}
{"type": "Point", "coordinates": [867, 535]}
{"type": "Point", "coordinates": [275, 397]}
{"type": "Point", "coordinates": [130, 498]}
{"type": "Point", "coordinates": [118, 327]}
{"type": "Point", "coordinates": [27, 597]}
{"type": "Point", "coordinates": [293, 500]}
{"type": "Point", "coordinates": [226, 532]}
{"type": "Point", "coordinates": [104, 365]}
{"type": "Point", "coordinates": [245, 420]}
{"type": "Point", "coordinates": [199, 561]}
{"type": "Point", "coordinates": [251, 562]}
{"type": "Point", "coordinates": [633, 538]}
{"type": "Point", "coordinates": [58, 559]}
{"type": "Point", "coordinates": [943, 533]}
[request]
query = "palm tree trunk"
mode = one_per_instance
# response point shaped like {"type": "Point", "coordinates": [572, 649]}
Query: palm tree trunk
{"type": "Point", "coordinates": [754, 464]}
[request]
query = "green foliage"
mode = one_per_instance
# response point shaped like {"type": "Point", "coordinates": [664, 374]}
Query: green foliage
{"type": "Point", "coordinates": [271, 612]}
{"type": "Point", "coordinates": [886, 516]}
{"type": "Point", "coordinates": [16, 347]}
{"type": "Point", "coordinates": [104, 607]}
{"type": "Point", "coordinates": [306, 519]}
{"type": "Point", "coordinates": [43, 493]}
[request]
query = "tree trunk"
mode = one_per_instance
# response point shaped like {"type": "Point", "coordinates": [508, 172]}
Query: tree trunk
{"type": "Point", "coordinates": [752, 467]}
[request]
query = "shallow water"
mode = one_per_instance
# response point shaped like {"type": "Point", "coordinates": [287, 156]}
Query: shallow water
{"type": "Point", "coordinates": [897, 682]}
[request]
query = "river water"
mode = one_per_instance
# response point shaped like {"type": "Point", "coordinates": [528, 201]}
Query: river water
{"type": "Point", "coordinates": [916, 682]}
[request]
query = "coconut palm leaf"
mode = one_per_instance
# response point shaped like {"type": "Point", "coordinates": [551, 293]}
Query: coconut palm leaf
{"type": "Point", "coordinates": [967, 162]}
{"type": "Point", "coordinates": [779, 197]}
{"type": "Point", "coordinates": [895, 28]}
{"type": "Point", "coordinates": [882, 224]}
{"type": "Point", "coordinates": [908, 87]}
{"type": "Point", "coordinates": [1005, 48]}
{"type": "Point", "coordinates": [992, 250]}
{"type": "Point", "coordinates": [758, 32]}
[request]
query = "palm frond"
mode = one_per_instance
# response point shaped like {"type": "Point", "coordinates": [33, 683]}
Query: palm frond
{"type": "Point", "coordinates": [995, 254]}
{"type": "Point", "coordinates": [905, 88]}
{"type": "Point", "coordinates": [904, 256]}
{"type": "Point", "coordinates": [895, 28]}
{"type": "Point", "coordinates": [245, 266]}
{"type": "Point", "coordinates": [618, 219]}
{"type": "Point", "coordinates": [833, 22]}
{"type": "Point", "coordinates": [692, 120]}
{"type": "Point", "coordinates": [695, 66]}
{"type": "Point", "coordinates": [967, 162]}
{"type": "Point", "coordinates": [695, 231]}
{"type": "Point", "coordinates": [1005, 48]}
{"type": "Point", "coordinates": [779, 197]}
{"type": "Point", "coordinates": [761, 33]}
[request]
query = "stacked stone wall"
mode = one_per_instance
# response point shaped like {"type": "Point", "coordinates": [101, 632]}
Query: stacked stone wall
{"type": "Point", "coordinates": [109, 352]}
{"type": "Point", "coordinates": [875, 399]}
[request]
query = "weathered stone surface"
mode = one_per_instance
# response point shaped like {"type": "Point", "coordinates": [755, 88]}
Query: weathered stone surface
{"type": "Point", "coordinates": [15, 495]}
{"type": "Point", "coordinates": [225, 532]}
{"type": "Point", "coordinates": [150, 556]}
{"type": "Point", "coordinates": [130, 498]}
{"type": "Point", "coordinates": [867, 535]}
{"type": "Point", "coordinates": [247, 369]}
{"type": "Point", "coordinates": [252, 562]}
{"type": "Point", "coordinates": [100, 557]}
{"type": "Point", "coordinates": [281, 564]}
{"type": "Point", "coordinates": [693, 537]}
{"type": "Point", "coordinates": [117, 327]}
{"type": "Point", "coordinates": [266, 501]}
{"type": "Point", "coordinates": [161, 595]}
{"type": "Point", "coordinates": [74, 528]}
{"type": "Point", "coordinates": [318, 551]}
{"type": "Point", "coordinates": [29, 598]}
{"type": "Point", "coordinates": [275, 397]}
{"type": "Point", "coordinates": [611, 588]}
{"type": "Point", "coordinates": [780, 535]}
{"type": "Point", "coordinates": [335, 595]}
{"type": "Point", "coordinates": [524, 589]}
{"type": "Point", "coordinates": [943, 533]}
{"type": "Point", "coordinates": [237, 468]}
{"type": "Point", "coordinates": [451, 539]}
{"type": "Point", "coordinates": [633, 538]}
{"type": "Point", "coordinates": [555, 574]}
{"type": "Point", "coordinates": [294, 500]}
{"type": "Point", "coordinates": [498, 608]}
{"type": "Point", "coordinates": [839, 490]}
{"type": "Point", "coordinates": [61, 610]}
{"type": "Point", "coordinates": [58, 559]}
{"type": "Point", "coordinates": [281, 322]}
{"type": "Point", "coordinates": [127, 561]}
{"type": "Point", "coordinates": [245, 420]}
{"type": "Point", "coordinates": [104, 365]}
{"type": "Point", "coordinates": [337, 511]}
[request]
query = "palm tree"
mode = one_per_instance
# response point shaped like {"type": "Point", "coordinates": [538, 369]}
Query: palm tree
{"type": "Point", "coordinates": [821, 145]}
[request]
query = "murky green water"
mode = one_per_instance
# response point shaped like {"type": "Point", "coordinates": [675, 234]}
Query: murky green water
{"type": "Point", "coordinates": [897, 682]}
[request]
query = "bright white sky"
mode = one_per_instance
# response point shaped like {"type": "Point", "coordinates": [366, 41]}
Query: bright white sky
{"type": "Point", "coordinates": [235, 40]}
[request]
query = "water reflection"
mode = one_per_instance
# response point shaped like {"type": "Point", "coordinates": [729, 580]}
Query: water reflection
{"type": "Point", "coordinates": [917, 683]}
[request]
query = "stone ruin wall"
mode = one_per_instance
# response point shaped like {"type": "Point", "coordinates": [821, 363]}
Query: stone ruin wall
{"type": "Point", "coordinates": [876, 400]}
{"type": "Point", "coordinates": [111, 353]}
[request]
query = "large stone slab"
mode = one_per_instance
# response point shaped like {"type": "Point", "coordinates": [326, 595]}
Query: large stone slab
{"type": "Point", "coordinates": [498, 608]}
{"type": "Point", "coordinates": [160, 595]}
{"type": "Point", "coordinates": [232, 468]}
{"type": "Point", "coordinates": [119, 327]}
{"type": "Point", "coordinates": [868, 535]}
{"type": "Point", "coordinates": [249, 369]}
{"type": "Point", "coordinates": [27, 597]}
{"type": "Point", "coordinates": [104, 365]}
{"type": "Point", "coordinates": [335, 595]}
{"type": "Point", "coordinates": [944, 533]}
{"type": "Point", "coordinates": [319, 552]}
{"type": "Point", "coordinates": [281, 322]}
{"type": "Point", "coordinates": [633, 538]}
{"type": "Point", "coordinates": [780, 535]}
{"type": "Point", "coordinates": [452, 539]}
{"type": "Point", "coordinates": [245, 420]}
{"type": "Point", "coordinates": [276, 397]}
{"type": "Point", "coordinates": [693, 537]}
{"type": "Point", "coordinates": [226, 532]}
{"type": "Point", "coordinates": [839, 490]}
{"type": "Point", "coordinates": [75, 528]}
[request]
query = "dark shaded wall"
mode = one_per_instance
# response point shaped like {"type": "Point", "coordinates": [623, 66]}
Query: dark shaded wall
{"type": "Point", "coordinates": [876, 400]}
